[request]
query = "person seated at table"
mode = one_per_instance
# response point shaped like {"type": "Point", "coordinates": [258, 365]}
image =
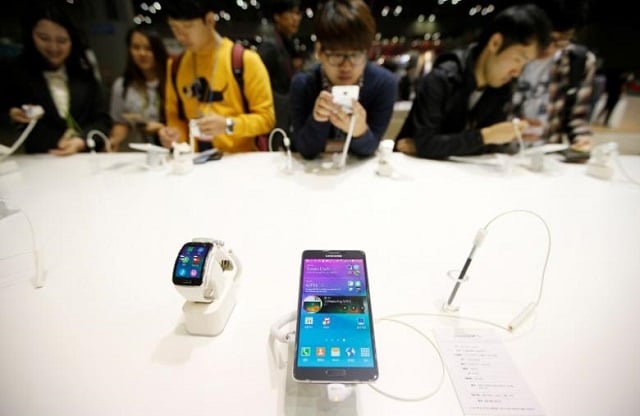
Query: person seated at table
{"type": "Point", "coordinates": [53, 71]}
{"type": "Point", "coordinates": [462, 104]}
{"type": "Point", "coordinates": [137, 97]}
{"type": "Point", "coordinates": [345, 30]}
{"type": "Point", "coordinates": [201, 85]}
{"type": "Point", "coordinates": [554, 91]}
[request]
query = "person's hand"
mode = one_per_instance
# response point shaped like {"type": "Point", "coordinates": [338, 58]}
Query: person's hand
{"type": "Point", "coordinates": [18, 115]}
{"type": "Point", "coordinates": [153, 127]}
{"type": "Point", "coordinates": [324, 107]}
{"type": "Point", "coordinates": [342, 120]}
{"type": "Point", "coordinates": [534, 131]}
{"type": "Point", "coordinates": [407, 146]}
{"type": "Point", "coordinates": [211, 125]}
{"type": "Point", "coordinates": [68, 145]}
{"type": "Point", "coordinates": [501, 133]}
{"type": "Point", "coordinates": [168, 135]}
{"type": "Point", "coordinates": [582, 143]}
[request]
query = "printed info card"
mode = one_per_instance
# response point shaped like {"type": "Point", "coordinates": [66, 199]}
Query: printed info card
{"type": "Point", "coordinates": [484, 377]}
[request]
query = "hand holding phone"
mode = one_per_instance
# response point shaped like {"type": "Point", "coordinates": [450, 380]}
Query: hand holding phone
{"type": "Point", "coordinates": [343, 95]}
{"type": "Point", "coordinates": [334, 334]}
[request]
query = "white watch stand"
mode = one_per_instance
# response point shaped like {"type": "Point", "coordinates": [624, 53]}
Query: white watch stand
{"type": "Point", "coordinates": [209, 319]}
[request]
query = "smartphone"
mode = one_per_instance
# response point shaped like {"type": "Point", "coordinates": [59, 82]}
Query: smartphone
{"type": "Point", "coordinates": [343, 96]}
{"type": "Point", "coordinates": [207, 155]}
{"type": "Point", "coordinates": [334, 332]}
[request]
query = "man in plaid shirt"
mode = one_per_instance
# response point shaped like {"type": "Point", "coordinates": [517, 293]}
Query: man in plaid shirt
{"type": "Point", "coordinates": [554, 91]}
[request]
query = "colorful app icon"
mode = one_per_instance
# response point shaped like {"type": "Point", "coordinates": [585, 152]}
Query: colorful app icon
{"type": "Point", "coordinates": [189, 249]}
{"type": "Point", "coordinates": [182, 272]}
{"type": "Point", "coordinates": [196, 260]}
{"type": "Point", "coordinates": [184, 259]}
{"type": "Point", "coordinates": [335, 351]}
{"type": "Point", "coordinates": [321, 351]}
{"type": "Point", "coordinates": [350, 351]}
{"type": "Point", "coordinates": [305, 351]}
{"type": "Point", "coordinates": [194, 272]}
{"type": "Point", "coordinates": [365, 352]}
{"type": "Point", "coordinates": [326, 321]}
{"type": "Point", "coordinates": [360, 321]}
{"type": "Point", "coordinates": [308, 320]}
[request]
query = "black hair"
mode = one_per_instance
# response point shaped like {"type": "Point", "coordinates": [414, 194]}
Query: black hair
{"type": "Point", "coordinates": [76, 63]}
{"type": "Point", "coordinates": [344, 24]}
{"type": "Point", "coordinates": [280, 6]}
{"type": "Point", "coordinates": [565, 14]}
{"type": "Point", "coordinates": [522, 24]}
{"type": "Point", "coordinates": [188, 9]}
{"type": "Point", "coordinates": [133, 75]}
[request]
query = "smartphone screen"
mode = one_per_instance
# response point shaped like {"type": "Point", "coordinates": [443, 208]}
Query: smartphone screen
{"type": "Point", "coordinates": [334, 334]}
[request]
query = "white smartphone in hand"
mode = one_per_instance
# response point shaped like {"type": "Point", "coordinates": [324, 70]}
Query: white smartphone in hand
{"type": "Point", "coordinates": [343, 95]}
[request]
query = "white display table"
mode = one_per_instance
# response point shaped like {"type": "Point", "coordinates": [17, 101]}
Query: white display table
{"type": "Point", "coordinates": [105, 335]}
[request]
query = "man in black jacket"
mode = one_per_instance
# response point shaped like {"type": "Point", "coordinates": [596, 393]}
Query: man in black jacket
{"type": "Point", "coordinates": [277, 52]}
{"type": "Point", "coordinates": [461, 106]}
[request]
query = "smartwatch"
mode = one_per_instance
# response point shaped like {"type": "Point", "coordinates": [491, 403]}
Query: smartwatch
{"type": "Point", "coordinates": [201, 268]}
{"type": "Point", "coordinates": [230, 124]}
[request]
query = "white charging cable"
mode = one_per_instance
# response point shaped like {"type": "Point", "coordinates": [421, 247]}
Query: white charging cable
{"type": "Point", "coordinates": [286, 141]}
{"type": "Point", "coordinates": [5, 151]}
{"type": "Point", "coordinates": [280, 331]}
{"type": "Point", "coordinates": [91, 143]}
{"type": "Point", "coordinates": [480, 236]}
{"type": "Point", "coordinates": [38, 280]}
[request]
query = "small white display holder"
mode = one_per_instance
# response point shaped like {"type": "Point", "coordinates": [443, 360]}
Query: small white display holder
{"type": "Point", "coordinates": [182, 158]}
{"type": "Point", "coordinates": [448, 306]}
{"type": "Point", "coordinates": [210, 319]}
{"type": "Point", "coordinates": [302, 398]}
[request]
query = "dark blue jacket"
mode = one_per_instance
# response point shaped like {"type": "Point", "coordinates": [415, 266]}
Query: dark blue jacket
{"type": "Point", "coordinates": [377, 96]}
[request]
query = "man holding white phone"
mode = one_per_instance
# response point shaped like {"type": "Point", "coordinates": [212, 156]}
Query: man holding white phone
{"type": "Point", "coordinates": [343, 87]}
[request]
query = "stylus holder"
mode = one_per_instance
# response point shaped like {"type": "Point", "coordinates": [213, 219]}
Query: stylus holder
{"type": "Point", "coordinates": [448, 305]}
{"type": "Point", "coordinates": [209, 319]}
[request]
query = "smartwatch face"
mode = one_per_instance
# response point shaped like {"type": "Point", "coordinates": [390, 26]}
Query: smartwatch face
{"type": "Point", "coordinates": [189, 267]}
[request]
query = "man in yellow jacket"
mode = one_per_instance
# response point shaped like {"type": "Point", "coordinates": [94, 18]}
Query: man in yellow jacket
{"type": "Point", "coordinates": [202, 89]}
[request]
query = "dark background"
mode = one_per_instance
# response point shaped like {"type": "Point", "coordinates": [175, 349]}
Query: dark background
{"type": "Point", "coordinates": [611, 30]}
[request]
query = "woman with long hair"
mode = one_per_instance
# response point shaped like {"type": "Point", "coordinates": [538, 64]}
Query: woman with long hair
{"type": "Point", "coordinates": [137, 97]}
{"type": "Point", "coordinates": [53, 71]}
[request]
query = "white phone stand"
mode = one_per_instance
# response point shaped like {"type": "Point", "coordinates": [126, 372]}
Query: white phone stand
{"type": "Point", "coordinates": [182, 158]}
{"type": "Point", "coordinates": [156, 155]}
{"type": "Point", "coordinates": [454, 275]}
{"type": "Point", "coordinates": [209, 319]}
{"type": "Point", "coordinates": [601, 162]}
{"type": "Point", "coordinates": [384, 158]}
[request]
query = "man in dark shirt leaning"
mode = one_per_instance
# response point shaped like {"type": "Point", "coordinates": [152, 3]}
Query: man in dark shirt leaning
{"type": "Point", "coordinates": [461, 106]}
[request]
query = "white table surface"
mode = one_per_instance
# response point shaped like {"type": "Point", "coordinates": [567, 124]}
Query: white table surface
{"type": "Point", "coordinates": [105, 335]}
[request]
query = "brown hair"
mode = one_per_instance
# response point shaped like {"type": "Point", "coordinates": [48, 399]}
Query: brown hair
{"type": "Point", "coordinates": [344, 25]}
